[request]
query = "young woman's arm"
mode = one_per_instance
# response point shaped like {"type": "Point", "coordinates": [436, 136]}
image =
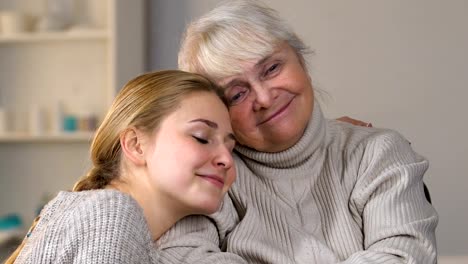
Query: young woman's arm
{"type": "Point", "coordinates": [199, 239]}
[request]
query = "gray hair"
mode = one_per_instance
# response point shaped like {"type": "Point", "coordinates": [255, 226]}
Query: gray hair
{"type": "Point", "coordinates": [235, 31]}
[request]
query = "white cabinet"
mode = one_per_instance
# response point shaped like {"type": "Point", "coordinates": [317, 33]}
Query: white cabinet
{"type": "Point", "coordinates": [75, 71]}
{"type": "Point", "coordinates": [78, 70]}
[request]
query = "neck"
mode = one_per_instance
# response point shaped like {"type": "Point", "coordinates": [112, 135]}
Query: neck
{"type": "Point", "coordinates": [160, 213]}
{"type": "Point", "coordinates": [306, 149]}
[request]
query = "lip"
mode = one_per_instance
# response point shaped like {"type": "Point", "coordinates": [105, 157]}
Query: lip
{"type": "Point", "coordinates": [214, 179]}
{"type": "Point", "coordinates": [277, 113]}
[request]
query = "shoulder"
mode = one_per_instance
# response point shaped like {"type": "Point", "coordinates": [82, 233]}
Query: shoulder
{"type": "Point", "coordinates": [378, 155]}
{"type": "Point", "coordinates": [377, 139]}
{"type": "Point", "coordinates": [110, 207]}
{"type": "Point", "coordinates": [110, 221]}
{"type": "Point", "coordinates": [372, 150]}
{"type": "Point", "coordinates": [99, 215]}
{"type": "Point", "coordinates": [93, 202]}
{"type": "Point", "coordinates": [95, 226]}
{"type": "Point", "coordinates": [87, 204]}
{"type": "Point", "coordinates": [110, 200]}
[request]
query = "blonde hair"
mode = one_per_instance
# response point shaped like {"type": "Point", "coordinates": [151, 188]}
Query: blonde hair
{"type": "Point", "coordinates": [233, 32]}
{"type": "Point", "coordinates": [143, 103]}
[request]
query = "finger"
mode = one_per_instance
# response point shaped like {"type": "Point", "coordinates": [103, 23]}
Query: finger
{"type": "Point", "coordinates": [353, 121]}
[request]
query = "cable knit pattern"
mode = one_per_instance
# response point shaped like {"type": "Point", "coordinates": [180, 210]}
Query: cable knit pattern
{"type": "Point", "coordinates": [99, 226]}
{"type": "Point", "coordinates": [342, 194]}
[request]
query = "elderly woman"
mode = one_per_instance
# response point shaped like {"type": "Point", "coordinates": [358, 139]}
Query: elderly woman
{"type": "Point", "coordinates": [308, 189]}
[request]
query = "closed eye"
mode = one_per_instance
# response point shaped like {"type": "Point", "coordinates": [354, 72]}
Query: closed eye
{"type": "Point", "coordinates": [200, 140]}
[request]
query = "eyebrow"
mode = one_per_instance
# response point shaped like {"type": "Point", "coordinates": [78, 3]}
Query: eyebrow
{"type": "Point", "coordinates": [212, 125]}
{"type": "Point", "coordinates": [262, 61]}
{"type": "Point", "coordinates": [257, 65]}
{"type": "Point", "coordinates": [277, 50]}
{"type": "Point", "coordinates": [234, 82]}
{"type": "Point", "coordinates": [207, 122]}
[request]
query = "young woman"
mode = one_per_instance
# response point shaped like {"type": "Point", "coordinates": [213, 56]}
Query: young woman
{"type": "Point", "coordinates": [162, 152]}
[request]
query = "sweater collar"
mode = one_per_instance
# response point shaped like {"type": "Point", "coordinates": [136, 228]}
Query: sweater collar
{"type": "Point", "coordinates": [296, 155]}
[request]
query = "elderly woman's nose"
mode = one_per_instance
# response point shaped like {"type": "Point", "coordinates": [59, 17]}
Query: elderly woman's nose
{"type": "Point", "coordinates": [263, 97]}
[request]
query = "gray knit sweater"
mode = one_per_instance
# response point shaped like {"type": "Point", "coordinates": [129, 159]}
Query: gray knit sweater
{"type": "Point", "coordinates": [100, 226]}
{"type": "Point", "coordinates": [342, 194]}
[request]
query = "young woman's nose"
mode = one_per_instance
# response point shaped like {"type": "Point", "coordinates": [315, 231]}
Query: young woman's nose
{"type": "Point", "coordinates": [223, 158]}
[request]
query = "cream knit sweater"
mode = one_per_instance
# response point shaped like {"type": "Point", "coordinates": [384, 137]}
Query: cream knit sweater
{"type": "Point", "coordinates": [342, 194]}
{"type": "Point", "coordinates": [99, 226]}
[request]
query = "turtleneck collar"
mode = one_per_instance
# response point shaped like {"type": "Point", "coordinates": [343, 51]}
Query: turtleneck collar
{"type": "Point", "coordinates": [293, 157]}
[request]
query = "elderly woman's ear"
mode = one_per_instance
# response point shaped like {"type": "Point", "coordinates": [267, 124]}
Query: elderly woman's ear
{"type": "Point", "coordinates": [353, 121]}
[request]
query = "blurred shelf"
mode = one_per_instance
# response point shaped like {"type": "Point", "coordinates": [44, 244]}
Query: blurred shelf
{"type": "Point", "coordinates": [81, 34]}
{"type": "Point", "coordinates": [59, 138]}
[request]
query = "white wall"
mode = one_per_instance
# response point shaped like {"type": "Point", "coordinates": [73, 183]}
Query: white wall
{"type": "Point", "coordinates": [399, 64]}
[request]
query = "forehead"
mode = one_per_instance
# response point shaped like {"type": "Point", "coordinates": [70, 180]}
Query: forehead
{"type": "Point", "coordinates": [206, 105]}
{"type": "Point", "coordinates": [255, 66]}
{"type": "Point", "coordinates": [219, 61]}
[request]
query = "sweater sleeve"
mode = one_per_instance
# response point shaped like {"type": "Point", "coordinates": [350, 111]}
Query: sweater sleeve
{"type": "Point", "coordinates": [398, 222]}
{"type": "Point", "coordinates": [199, 239]}
{"type": "Point", "coordinates": [112, 230]}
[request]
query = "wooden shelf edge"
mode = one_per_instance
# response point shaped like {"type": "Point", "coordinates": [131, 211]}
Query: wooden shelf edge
{"type": "Point", "coordinates": [55, 36]}
{"type": "Point", "coordinates": [46, 138]}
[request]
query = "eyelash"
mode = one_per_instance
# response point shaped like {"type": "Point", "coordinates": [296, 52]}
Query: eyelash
{"type": "Point", "coordinates": [234, 100]}
{"type": "Point", "coordinates": [200, 140]}
{"type": "Point", "coordinates": [272, 68]}
{"type": "Point", "coordinates": [241, 95]}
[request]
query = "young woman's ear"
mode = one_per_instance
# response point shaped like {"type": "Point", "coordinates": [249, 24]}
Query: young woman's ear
{"type": "Point", "coordinates": [131, 142]}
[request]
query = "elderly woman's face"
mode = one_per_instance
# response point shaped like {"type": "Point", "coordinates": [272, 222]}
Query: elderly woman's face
{"type": "Point", "coordinates": [270, 102]}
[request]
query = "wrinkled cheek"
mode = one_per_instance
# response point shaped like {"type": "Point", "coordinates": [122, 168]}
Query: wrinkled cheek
{"type": "Point", "coordinates": [241, 113]}
{"type": "Point", "coordinates": [240, 128]}
{"type": "Point", "coordinates": [243, 124]}
{"type": "Point", "coordinates": [235, 117]}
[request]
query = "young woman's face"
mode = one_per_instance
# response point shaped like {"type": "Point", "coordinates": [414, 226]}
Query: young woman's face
{"type": "Point", "coordinates": [270, 103]}
{"type": "Point", "coordinates": [190, 162]}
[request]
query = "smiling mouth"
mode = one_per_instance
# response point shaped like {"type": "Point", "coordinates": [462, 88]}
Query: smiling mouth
{"type": "Point", "coordinates": [214, 179]}
{"type": "Point", "coordinates": [277, 113]}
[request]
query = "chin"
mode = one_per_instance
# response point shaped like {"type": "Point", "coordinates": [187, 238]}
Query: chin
{"type": "Point", "coordinates": [286, 135]}
{"type": "Point", "coordinates": [208, 207]}
{"type": "Point", "coordinates": [282, 142]}
{"type": "Point", "coordinates": [209, 210]}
